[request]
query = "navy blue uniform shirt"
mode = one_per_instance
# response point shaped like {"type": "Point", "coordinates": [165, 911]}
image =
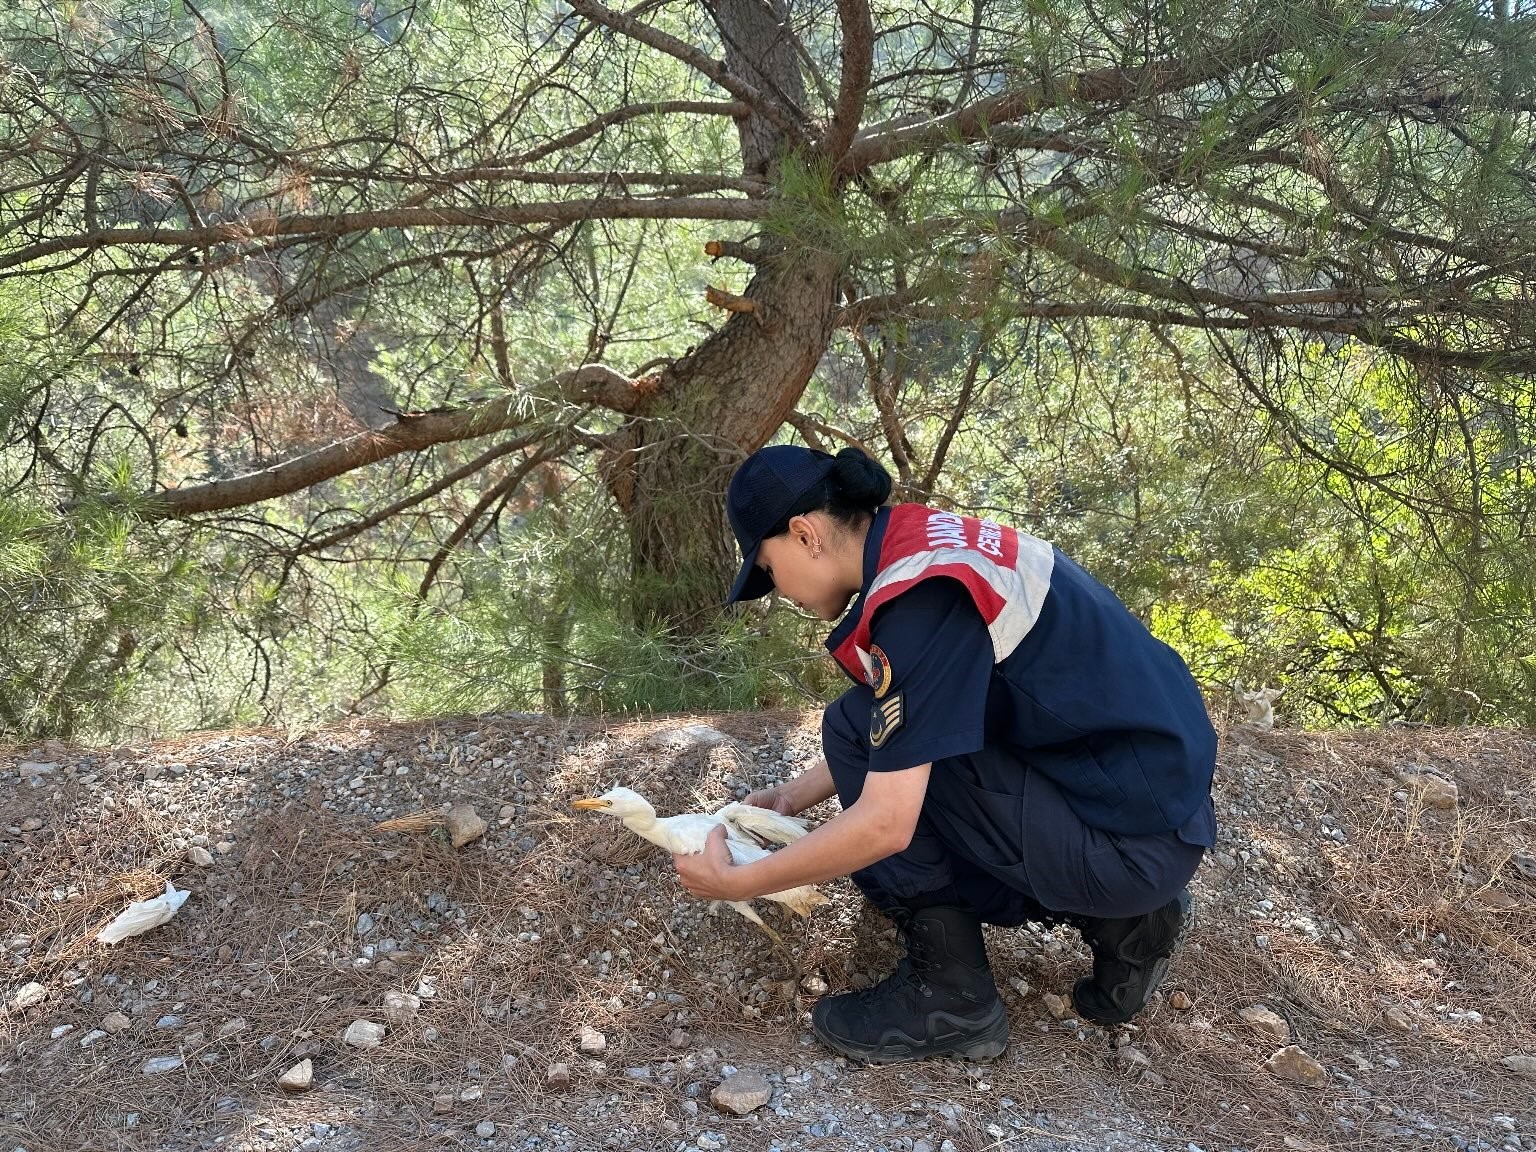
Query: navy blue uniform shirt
{"type": "Point", "coordinates": [1089, 698]}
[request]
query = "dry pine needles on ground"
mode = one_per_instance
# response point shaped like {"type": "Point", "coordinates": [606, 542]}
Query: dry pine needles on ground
{"type": "Point", "coordinates": [1391, 940]}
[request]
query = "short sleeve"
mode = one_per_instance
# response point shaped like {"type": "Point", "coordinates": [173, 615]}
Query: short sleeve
{"type": "Point", "coordinates": [933, 662]}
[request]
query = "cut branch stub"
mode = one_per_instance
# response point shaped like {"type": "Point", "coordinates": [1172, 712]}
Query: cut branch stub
{"type": "Point", "coordinates": [734, 250]}
{"type": "Point", "coordinates": [734, 303]}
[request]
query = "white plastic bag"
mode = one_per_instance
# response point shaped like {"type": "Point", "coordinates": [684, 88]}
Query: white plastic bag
{"type": "Point", "coordinates": [142, 915]}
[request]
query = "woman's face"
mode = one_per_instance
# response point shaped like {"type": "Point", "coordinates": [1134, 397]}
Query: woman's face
{"type": "Point", "coordinates": [807, 569]}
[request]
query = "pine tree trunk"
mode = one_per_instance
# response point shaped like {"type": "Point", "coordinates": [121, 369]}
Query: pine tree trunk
{"type": "Point", "coordinates": [731, 394]}
{"type": "Point", "coordinates": [724, 401]}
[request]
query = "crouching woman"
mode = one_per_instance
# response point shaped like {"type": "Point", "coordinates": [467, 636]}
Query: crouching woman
{"type": "Point", "coordinates": [1016, 746]}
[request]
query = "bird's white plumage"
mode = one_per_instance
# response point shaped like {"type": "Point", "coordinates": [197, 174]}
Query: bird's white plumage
{"type": "Point", "coordinates": [763, 823]}
{"type": "Point", "coordinates": [687, 833]}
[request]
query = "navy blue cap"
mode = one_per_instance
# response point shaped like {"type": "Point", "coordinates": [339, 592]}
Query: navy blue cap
{"type": "Point", "coordinates": [764, 491]}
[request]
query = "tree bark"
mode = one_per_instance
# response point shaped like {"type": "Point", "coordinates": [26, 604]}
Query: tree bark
{"type": "Point", "coordinates": [729, 396]}
{"type": "Point", "coordinates": [718, 405]}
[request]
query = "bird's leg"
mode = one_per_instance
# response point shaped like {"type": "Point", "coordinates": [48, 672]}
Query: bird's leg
{"type": "Point", "coordinates": [751, 914]}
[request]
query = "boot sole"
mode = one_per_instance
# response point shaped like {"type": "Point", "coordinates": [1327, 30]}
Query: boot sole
{"type": "Point", "coordinates": [951, 1036]}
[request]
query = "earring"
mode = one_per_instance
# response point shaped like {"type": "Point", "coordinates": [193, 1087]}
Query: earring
{"type": "Point", "coordinates": [815, 549]}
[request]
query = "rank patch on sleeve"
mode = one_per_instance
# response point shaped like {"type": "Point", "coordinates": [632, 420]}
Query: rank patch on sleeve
{"type": "Point", "coordinates": [885, 719]}
{"type": "Point", "coordinates": [879, 671]}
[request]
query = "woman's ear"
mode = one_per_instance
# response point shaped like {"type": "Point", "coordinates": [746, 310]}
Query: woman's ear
{"type": "Point", "coordinates": [806, 532]}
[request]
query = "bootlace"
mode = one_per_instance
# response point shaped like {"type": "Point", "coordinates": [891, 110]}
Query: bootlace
{"type": "Point", "coordinates": [907, 978]}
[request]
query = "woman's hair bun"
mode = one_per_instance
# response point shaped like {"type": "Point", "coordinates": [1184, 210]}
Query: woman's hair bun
{"type": "Point", "coordinates": [858, 481]}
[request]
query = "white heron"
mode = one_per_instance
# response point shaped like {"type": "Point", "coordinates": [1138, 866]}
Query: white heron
{"type": "Point", "coordinates": [745, 826]}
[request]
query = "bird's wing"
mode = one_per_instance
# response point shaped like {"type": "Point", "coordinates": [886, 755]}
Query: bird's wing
{"type": "Point", "coordinates": [745, 851]}
{"type": "Point", "coordinates": [764, 823]}
{"type": "Point", "coordinates": [687, 833]}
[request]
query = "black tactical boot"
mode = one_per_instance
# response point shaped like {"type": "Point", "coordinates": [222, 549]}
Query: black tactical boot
{"type": "Point", "coordinates": [940, 1000]}
{"type": "Point", "coordinates": [1130, 959]}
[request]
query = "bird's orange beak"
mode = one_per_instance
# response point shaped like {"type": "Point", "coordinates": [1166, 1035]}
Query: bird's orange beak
{"type": "Point", "coordinates": [591, 804]}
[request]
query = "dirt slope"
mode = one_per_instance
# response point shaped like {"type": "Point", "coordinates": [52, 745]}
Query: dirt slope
{"type": "Point", "coordinates": [1393, 941]}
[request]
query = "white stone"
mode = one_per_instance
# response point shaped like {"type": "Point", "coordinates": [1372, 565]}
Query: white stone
{"type": "Point", "coordinates": [592, 1041]}
{"type": "Point", "coordinates": [364, 1034]}
{"type": "Point", "coordinates": [485, 1129]}
{"type": "Point", "coordinates": [400, 1007]}
{"type": "Point", "coordinates": [199, 856]}
{"type": "Point", "coordinates": [28, 995]}
{"type": "Point", "coordinates": [1521, 1065]}
{"type": "Point", "coordinates": [92, 1037]}
{"type": "Point", "coordinates": [299, 1078]}
{"type": "Point", "coordinates": [161, 1064]}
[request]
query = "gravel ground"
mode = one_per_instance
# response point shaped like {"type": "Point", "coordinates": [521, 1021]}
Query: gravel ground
{"type": "Point", "coordinates": [1361, 975]}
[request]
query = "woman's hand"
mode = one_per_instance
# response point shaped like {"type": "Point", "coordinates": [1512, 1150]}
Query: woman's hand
{"type": "Point", "coordinates": [709, 873]}
{"type": "Point", "coordinates": [775, 798]}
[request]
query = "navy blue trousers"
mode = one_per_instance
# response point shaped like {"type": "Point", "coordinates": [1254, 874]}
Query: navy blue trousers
{"type": "Point", "coordinates": [1001, 838]}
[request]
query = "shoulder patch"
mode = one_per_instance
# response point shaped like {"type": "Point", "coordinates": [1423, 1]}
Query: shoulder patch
{"type": "Point", "coordinates": [879, 671]}
{"type": "Point", "coordinates": [884, 719]}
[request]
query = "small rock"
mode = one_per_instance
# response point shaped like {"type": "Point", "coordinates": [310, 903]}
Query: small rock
{"type": "Point", "coordinates": [1291, 1063]}
{"type": "Point", "coordinates": [299, 1078]}
{"type": "Point", "coordinates": [28, 995]}
{"type": "Point", "coordinates": [400, 1007]}
{"type": "Point", "coordinates": [115, 1022]}
{"type": "Point", "coordinates": [1131, 1059]}
{"type": "Point", "coordinates": [199, 856]}
{"type": "Point", "coordinates": [91, 1037]}
{"type": "Point", "coordinates": [168, 1023]}
{"type": "Point", "coordinates": [710, 1142]}
{"type": "Point", "coordinates": [1437, 792]}
{"type": "Point", "coordinates": [363, 1034]}
{"type": "Point", "coordinates": [1181, 1001]}
{"type": "Point", "coordinates": [742, 1093]}
{"type": "Point", "coordinates": [485, 1129]}
{"type": "Point", "coordinates": [232, 1027]}
{"type": "Point", "coordinates": [558, 1077]}
{"type": "Point", "coordinates": [442, 1103]}
{"type": "Point", "coordinates": [471, 1094]}
{"type": "Point", "coordinates": [1520, 1065]}
{"type": "Point", "coordinates": [1397, 1019]}
{"type": "Point", "coordinates": [1267, 1021]}
{"type": "Point", "coordinates": [31, 824]}
{"type": "Point", "coordinates": [592, 1042]}
{"type": "Point", "coordinates": [158, 1065]}
{"type": "Point", "coordinates": [814, 985]}
{"type": "Point", "coordinates": [1019, 985]}
{"type": "Point", "coordinates": [679, 1038]}
{"type": "Point", "coordinates": [1058, 1006]}
{"type": "Point", "coordinates": [61, 1030]}
{"type": "Point", "coordinates": [364, 924]}
{"type": "Point", "coordinates": [464, 824]}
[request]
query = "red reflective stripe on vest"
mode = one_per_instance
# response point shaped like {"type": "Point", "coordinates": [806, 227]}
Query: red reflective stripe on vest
{"type": "Point", "coordinates": [1006, 572]}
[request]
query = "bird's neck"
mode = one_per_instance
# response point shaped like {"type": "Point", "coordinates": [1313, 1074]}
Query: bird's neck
{"type": "Point", "coordinates": [646, 826]}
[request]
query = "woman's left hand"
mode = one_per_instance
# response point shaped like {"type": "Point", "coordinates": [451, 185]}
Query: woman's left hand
{"type": "Point", "coordinates": [709, 873]}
